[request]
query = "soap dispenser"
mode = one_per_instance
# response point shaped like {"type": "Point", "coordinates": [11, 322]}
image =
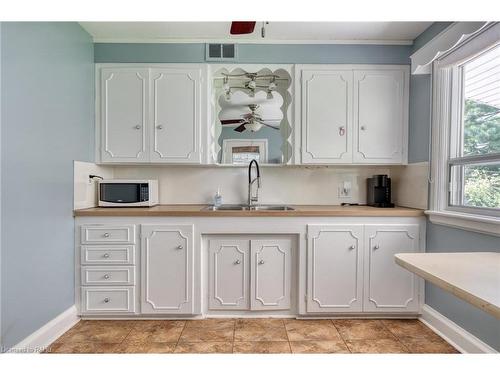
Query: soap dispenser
{"type": "Point", "coordinates": [217, 198]}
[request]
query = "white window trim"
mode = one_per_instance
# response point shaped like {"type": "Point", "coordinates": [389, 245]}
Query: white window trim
{"type": "Point", "coordinates": [444, 108]}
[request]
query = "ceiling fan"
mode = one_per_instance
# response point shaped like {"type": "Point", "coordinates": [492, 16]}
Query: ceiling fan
{"type": "Point", "coordinates": [249, 121]}
{"type": "Point", "coordinates": [246, 27]}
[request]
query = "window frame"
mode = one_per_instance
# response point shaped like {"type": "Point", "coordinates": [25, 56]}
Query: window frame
{"type": "Point", "coordinates": [447, 129]}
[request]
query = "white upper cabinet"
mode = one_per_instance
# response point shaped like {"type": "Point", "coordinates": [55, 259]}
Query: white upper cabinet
{"type": "Point", "coordinates": [352, 114]}
{"type": "Point", "coordinates": [389, 287]}
{"type": "Point", "coordinates": [334, 268]}
{"type": "Point", "coordinates": [326, 116]}
{"type": "Point", "coordinates": [167, 269]}
{"type": "Point", "coordinates": [380, 116]}
{"type": "Point", "coordinates": [124, 114]}
{"type": "Point", "coordinates": [150, 114]}
{"type": "Point", "coordinates": [176, 115]}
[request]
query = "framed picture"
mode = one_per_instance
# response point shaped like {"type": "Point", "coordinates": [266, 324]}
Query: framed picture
{"type": "Point", "coordinates": [242, 151]}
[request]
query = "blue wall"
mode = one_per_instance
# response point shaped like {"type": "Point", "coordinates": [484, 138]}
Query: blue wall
{"type": "Point", "coordinates": [441, 238]}
{"type": "Point", "coordinates": [254, 53]}
{"type": "Point", "coordinates": [47, 92]}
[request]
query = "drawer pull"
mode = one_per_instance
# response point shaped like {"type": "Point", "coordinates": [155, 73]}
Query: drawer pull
{"type": "Point", "coordinates": [105, 255]}
{"type": "Point", "coordinates": [106, 300]}
{"type": "Point", "coordinates": [106, 276]}
{"type": "Point", "coordinates": [106, 234]}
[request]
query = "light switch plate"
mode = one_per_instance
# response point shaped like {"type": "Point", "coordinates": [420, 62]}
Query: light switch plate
{"type": "Point", "coordinates": [345, 189]}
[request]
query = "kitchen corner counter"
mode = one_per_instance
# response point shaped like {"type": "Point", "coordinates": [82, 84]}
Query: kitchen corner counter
{"type": "Point", "coordinates": [300, 210]}
{"type": "Point", "coordinates": [473, 277]}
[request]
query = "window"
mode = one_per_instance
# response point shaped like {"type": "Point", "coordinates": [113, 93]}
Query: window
{"type": "Point", "coordinates": [465, 162]}
{"type": "Point", "coordinates": [474, 162]}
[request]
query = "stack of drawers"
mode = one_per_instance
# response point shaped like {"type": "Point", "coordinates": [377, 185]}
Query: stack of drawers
{"type": "Point", "coordinates": [108, 269]}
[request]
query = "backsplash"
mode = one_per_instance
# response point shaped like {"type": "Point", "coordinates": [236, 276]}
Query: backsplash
{"type": "Point", "coordinates": [290, 185]}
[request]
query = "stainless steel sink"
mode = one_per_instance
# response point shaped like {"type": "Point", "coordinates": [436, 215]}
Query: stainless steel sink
{"type": "Point", "coordinates": [244, 207]}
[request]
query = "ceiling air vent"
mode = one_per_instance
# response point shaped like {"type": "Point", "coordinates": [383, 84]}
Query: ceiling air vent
{"type": "Point", "coordinates": [219, 52]}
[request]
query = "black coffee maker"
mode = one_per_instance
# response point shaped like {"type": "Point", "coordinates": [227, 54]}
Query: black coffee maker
{"type": "Point", "coordinates": [378, 190]}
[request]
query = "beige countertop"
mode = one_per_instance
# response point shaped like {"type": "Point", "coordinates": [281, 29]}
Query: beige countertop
{"type": "Point", "coordinates": [300, 210]}
{"type": "Point", "coordinates": [473, 277]}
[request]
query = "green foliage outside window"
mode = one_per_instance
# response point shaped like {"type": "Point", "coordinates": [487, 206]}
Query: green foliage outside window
{"type": "Point", "coordinates": [481, 136]}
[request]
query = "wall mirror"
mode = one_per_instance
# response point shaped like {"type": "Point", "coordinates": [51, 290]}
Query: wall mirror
{"type": "Point", "coordinates": [251, 116]}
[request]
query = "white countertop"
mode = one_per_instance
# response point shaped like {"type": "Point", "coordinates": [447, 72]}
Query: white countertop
{"type": "Point", "coordinates": [473, 277]}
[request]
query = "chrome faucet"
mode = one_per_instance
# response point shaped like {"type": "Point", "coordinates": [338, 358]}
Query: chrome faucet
{"type": "Point", "coordinates": [253, 198]}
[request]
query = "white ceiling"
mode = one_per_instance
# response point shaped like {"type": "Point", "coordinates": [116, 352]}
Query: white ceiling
{"type": "Point", "coordinates": [276, 32]}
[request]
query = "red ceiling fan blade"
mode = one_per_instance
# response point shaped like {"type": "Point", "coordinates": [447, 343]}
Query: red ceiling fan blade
{"type": "Point", "coordinates": [242, 27]}
{"type": "Point", "coordinates": [240, 128]}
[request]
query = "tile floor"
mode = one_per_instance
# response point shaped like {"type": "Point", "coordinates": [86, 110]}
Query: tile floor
{"type": "Point", "coordinates": [251, 336]}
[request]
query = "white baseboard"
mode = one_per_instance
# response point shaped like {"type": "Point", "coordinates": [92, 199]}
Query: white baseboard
{"type": "Point", "coordinates": [46, 335]}
{"type": "Point", "coordinates": [459, 338]}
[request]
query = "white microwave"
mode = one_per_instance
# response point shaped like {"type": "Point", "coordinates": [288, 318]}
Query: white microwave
{"type": "Point", "coordinates": [128, 193]}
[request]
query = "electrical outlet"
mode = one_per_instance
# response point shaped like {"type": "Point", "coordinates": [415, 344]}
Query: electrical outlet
{"type": "Point", "coordinates": [345, 189]}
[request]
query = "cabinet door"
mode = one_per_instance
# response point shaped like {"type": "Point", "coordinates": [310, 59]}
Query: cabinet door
{"type": "Point", "coordinates": [334, 268]}
{"type": "Point", "coordinates": [326, 116]}
{"type": "Point", "coordinates": [380, 116]}
{"type": "Point", "coordinates": [124, 114]}
{"type": "Point", "coordinates": [167, 269]}
{"type": "Point", "coordinates": [228, 274]}
{"type": "Point", "coordinates": [176, 115]}
{"type": "Point", "coordinates": [389, 287]}
{"type": "Point", "coordinates": [270, 274]}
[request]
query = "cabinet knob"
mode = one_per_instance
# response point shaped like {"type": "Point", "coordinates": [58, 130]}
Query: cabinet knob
{"type": "Point", "coordinates": [341, 131]}
{"type": "Point", "coordinates": [363, 128]}
{"type": "Point", "coordinates": [237, 262]}
{"type": "Point", "coordinates": [106, 300]}
{"type": "Point", "coordinates": [159, 127]}
{"type": "Point", "coordinates": [106, 235]}
{"type": "Point", "coordinates": [180, 247]}
{"type": "Point", "coordinates": [261, 262]}
{"type": "Point", "coordinates": [376, 247]}
{"type": "Point", "coordinates": [106, 255]}
{"type": "Point", "coordinates": [106, 276]}
{"type": "Point", "coordinates": [138, 127]}
{"type": "Point", "coordinates": [352, 247]}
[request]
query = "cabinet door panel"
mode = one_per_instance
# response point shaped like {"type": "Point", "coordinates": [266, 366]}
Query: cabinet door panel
{"type": "Point", "coordinates": [124, 114]}
{"type": "Point", "coordinates": [379, 116]}
{"type": "Point", "coordinates": [271, 274]}
{"type": "Point", "coordinates": [326, 117]}
{"type": "Point", "coordinates": [335, 268]}
{"type": "Point", "coordinates": [228, 274]}
{"type": "Point", "coordinates": [167, 269]}
{"type": "Point", "coordinates": [389, 287]}
{"type": "Point", "coordinates": [176, 115]}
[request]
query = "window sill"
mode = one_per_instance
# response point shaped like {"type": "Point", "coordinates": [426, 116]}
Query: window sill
{"type": "Point", "coordinates": [476, 223]}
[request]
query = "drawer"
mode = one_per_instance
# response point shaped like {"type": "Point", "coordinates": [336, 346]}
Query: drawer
{"type": "Point", "coordinates": [108, 300]}
{"type": "Point", "coordinates": [108, 275]}
{"type": "Point", "coordinates": [113, 254]}
{"type": "Point", "coordinates": [108, 234]}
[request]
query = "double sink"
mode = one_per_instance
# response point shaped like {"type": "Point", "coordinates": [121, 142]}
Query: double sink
{"type": "Point", "coordinates": [245, 207]}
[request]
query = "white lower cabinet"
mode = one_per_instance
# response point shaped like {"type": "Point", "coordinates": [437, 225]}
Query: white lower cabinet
{"type": "Point", "coordinates": [167, 269]}
{"type": "Point", "coordinates": [335, 268]}
{"type": "Point", "coordinates": [389, 287]}
{"type": "Point", "coordinates": [249, 273]}
{"type": "Point", "coordinates": [228, 273]}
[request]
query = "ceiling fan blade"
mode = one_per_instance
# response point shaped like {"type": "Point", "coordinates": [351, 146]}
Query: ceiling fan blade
{"type": "Point", "coordinates": [229, 122]}
{"type": "Point", "coordinates": [241, 128]}
{"type": "Point", "coordinates": [242, 27]}
{"type": "Point", "coordinates": [268, 125]}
